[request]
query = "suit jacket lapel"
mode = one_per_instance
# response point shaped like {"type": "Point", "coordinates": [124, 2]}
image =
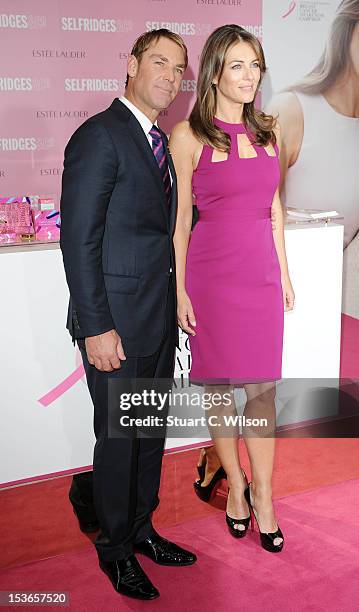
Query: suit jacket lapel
{"type": "Point", "coordinates": [139, 137]}
{"type": "Point", "coordinates": [173, 209]}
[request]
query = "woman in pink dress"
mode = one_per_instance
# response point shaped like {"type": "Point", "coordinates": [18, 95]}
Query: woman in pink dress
{"type": "Point", "coordinates": [233, 282]}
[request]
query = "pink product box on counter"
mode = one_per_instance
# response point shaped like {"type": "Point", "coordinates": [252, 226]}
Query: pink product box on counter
{"type": "Point", "coordinates": [47, 224]}
{"type": "Point", "coordinates": [28, 218]}
{"type": "Point", "coordinates": [16, 218]}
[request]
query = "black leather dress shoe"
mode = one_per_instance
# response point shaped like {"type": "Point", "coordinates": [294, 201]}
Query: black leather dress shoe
{"type": "Point", "coordinates": [128, 578]}
{"type": "Point", "coordinates": [164, 552]}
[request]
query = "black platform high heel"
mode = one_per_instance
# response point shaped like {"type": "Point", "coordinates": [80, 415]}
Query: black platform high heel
{"type": "Point", "coordinates": [205, 493]}
{"type": "Point", "coordinates": [231, 522]}
{"type": "Point", "coordinates": [201, 469]}
{"type": "Point", "coordinates": [267, 539]}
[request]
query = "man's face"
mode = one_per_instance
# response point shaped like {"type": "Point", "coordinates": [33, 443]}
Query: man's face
{"type": "Point", "coordinates": [158, 74]}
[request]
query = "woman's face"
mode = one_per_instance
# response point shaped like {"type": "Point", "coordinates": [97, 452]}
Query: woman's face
{"type": "Point", "coordinates": [241, 74]}
{"type": "Point", "coordinates": [354, 51]}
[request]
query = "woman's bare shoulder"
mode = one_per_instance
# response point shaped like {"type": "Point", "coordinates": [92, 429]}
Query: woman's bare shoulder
{"type": "Point", "coordinates": [184, 142]}
{"type": "Point", "coordinates": [183, 131]}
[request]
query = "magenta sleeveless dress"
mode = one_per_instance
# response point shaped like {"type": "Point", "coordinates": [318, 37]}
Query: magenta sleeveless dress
{"type": "Point", "coordinates": [232, 271]}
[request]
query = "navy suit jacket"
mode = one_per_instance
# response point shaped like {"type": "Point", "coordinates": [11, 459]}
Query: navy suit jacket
{"type": "Point", "coordinates": [117, 232]}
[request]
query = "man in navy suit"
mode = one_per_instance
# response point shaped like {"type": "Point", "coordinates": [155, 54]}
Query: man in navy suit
{"type": "Point", "coordinates": [118, 210]}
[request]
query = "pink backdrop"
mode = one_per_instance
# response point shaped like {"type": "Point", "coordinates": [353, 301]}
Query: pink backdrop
{"type": "Point", "coordinates": [66, 61]}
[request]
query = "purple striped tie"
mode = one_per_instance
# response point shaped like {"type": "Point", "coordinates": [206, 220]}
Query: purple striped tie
{"type": "Point", "coordinates": [159, 151]}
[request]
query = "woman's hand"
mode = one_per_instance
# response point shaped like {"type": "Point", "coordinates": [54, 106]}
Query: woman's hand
{"type": "Point", "coordinates": [288, 293]}
{"type": "Point", "coordinates": [185, 314]}
{"type": "Point", "coordinates": [273, 217]}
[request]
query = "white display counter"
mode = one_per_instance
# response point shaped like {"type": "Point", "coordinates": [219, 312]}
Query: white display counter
{"type": "Point", "coordinates": [46, 411]}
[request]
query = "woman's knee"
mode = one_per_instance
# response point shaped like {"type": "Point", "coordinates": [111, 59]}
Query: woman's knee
{"type": "Point", "coordinates": [261, 392]}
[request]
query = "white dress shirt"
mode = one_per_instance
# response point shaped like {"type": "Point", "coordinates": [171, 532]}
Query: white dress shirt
{"type": "Point", "coordinates": [143, 120]}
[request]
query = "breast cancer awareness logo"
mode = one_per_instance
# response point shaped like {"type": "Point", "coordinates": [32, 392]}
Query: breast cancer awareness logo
{"type": "Point", "coordinates": [290, 9]}
{"type": "Point", "coordinates": [66, 384]}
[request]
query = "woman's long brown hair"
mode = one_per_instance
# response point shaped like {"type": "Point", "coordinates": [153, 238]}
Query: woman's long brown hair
{"type": "Point", "coordinates": [211, 66]}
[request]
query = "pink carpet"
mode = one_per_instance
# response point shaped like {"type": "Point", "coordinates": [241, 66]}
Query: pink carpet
{"type": "Point", "coordinates": [317, 570]}
{"type": "Point", "coordinates": [31, 530]}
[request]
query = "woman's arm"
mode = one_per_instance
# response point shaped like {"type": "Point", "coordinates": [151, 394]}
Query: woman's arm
{"type": "Point", "coordinates": [183, 146]}
{"type": "Point", "coordinates": [279, 241]}
{"type": "Point", "coordinates": [278, 234]}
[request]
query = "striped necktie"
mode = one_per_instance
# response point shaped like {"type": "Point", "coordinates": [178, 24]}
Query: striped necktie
{"type": "Point", "coordinates": [159, 151]}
